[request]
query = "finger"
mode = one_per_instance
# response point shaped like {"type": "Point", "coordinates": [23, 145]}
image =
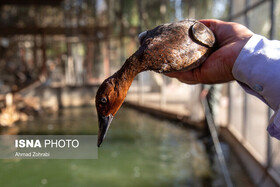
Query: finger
{"type": "Point", "coordinates": [173, 74]}
{"type": "Point", "coordinates": [218, 66]}
{"type": "Point", "coordinates": [222, 30]}
{"type": "Point", "coordinates": [185, 77]}
{"type": "Point", "coordinates": [211, 23]}
{"type": "Point", "coordinates": [208, 22]}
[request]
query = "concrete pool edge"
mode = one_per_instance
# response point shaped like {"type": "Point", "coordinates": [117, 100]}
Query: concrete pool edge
{"type": "Point", "coordinates": [259, 174]}
{"type": "Point", "coordinates": [157, 112]}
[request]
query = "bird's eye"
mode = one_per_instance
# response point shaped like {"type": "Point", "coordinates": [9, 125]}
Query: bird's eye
{"type": "Point", "coordinates": [104, 100]}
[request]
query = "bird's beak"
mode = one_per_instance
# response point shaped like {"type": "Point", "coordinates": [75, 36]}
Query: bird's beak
{"type": "Point", "coordinates": [104, 124]}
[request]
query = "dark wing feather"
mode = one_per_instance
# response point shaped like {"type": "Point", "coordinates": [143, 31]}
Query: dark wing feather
{"type": "Point", "coordinates": [203, 34]}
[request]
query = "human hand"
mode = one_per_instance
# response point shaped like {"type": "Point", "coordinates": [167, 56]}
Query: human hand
{"type": "Point", "coordinates": [231, 38]}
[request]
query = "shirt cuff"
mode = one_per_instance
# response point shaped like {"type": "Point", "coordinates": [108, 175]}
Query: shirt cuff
{"type": "Point", "coordinates": [257, 69]}
{"type": "Point", "coordinates": [274, 125]}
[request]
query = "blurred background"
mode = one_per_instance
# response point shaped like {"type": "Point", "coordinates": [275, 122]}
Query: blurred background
{"type": "Point", "coordinates": [55, 53]}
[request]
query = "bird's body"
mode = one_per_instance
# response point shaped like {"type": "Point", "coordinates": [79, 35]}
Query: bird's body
{"type": "Point", "coordinates": [172, 47]}
{"type": "Point", "coordinates": [178, 46]}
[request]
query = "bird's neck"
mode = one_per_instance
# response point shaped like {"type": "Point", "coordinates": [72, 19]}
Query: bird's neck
{"type": "Point", "coordinates": [128, 71]}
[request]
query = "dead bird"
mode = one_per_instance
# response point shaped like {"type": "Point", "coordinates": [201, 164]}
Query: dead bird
{"type": "Point", "coordinates": [177, 46]}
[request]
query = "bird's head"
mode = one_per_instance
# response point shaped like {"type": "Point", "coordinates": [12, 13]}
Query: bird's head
{"type": "Point", "coordinates": [108, 100]}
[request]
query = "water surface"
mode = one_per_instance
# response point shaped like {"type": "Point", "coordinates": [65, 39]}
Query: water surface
{"type": "Point", "coordinates": [139, 150]}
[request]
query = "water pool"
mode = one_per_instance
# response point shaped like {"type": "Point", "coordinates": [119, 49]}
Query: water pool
{"type": "Point", "coordinates": [139, 150]}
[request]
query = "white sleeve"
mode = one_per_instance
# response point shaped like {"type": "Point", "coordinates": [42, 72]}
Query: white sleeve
{"type": "Point", "coordinates": [257, 69]}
